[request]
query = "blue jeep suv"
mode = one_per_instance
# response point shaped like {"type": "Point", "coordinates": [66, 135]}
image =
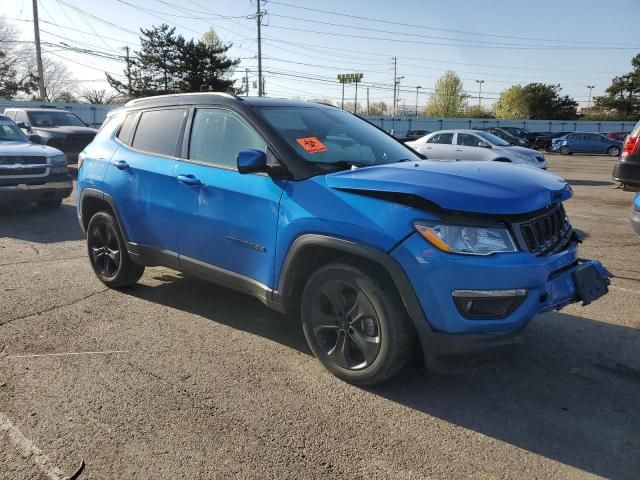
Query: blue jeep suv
{"type": "Point", "coordinates": [318, 213]}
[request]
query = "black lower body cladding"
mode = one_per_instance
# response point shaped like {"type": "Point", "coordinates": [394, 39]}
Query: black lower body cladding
{"type": "Point", "coordinates": [627, 170]}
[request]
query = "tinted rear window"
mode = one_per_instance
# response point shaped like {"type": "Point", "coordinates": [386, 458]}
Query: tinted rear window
{"type": "Point", "coordinates": [158, 131]}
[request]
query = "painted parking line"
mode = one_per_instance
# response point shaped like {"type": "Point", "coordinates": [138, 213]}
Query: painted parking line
{"type": "Point", "coordinates": [28, 449]}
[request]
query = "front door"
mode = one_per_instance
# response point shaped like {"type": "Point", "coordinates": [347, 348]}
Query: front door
{"type": "Point", "coordinates": [226, 221]}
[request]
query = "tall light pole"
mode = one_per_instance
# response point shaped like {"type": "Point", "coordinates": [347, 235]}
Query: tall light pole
{"type": "Point", "coordinates": [480, 82]}
{"type": "Point", "coordinates": [417, 89]}
{"type": "Point", "coordinates": [590, 87]}
{"type": "Point", "coordinates": [36, 30]}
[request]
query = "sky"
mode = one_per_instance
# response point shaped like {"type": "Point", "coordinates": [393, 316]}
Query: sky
{"type": "Point", "coordinates": [573, 43]}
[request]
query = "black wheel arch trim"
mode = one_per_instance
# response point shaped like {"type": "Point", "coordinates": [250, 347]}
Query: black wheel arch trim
{"type": "Point", "coordinates": [99, 194]}
{"type": "Point", "coordinates": [384, 260]}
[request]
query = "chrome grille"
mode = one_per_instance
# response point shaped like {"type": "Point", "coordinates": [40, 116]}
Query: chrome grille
{"type": "Point", "coordinates": [22, 166]}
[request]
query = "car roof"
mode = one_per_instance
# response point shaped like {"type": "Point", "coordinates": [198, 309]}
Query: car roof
{"type": "Point", "coordinates": [217, 98]}
{"type": "Point", "coordinates": [2, 117]}
{"type": "Point", "coordinates": [29, 109]}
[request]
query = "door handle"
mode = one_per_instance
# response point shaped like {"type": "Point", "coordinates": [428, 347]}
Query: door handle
{"type": "Point", "coordinates": [458, 149]}
{"type": "Point", "coordinates": [120, 164]}
{"type": "Point", "coordinates": [189, 180]}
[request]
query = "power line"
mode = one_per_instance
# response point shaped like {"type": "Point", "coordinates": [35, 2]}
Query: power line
{"type": "Point", "coordinates": [342, 14]}
{"type": "Point", "coordinates": [420, 42]}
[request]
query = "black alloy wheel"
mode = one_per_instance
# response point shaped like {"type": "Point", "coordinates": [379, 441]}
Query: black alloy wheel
{"type": "Point", "coordinates": [104, 249]}
{"type": "Point", "coordinates": [108, 252]}
{"type": "Point", "coordinates": [346, 325]}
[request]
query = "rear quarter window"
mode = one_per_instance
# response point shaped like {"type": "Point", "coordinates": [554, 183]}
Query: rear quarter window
{"type": "Point", "coordinates": [126, 130]}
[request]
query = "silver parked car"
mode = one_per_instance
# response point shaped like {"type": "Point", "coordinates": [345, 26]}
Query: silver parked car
{"type": "Point", "coordinates": [455, 145]}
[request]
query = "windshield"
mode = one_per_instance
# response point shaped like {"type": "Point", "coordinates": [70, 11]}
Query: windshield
{"type": "Point", "coordinates": [492, 139]}
{"type": "Point", "coordinates": [9, 132]}
{"type": "Point", "coordinates": [54, 119]}
{"type": "Point", "coordinates": [328, 138]}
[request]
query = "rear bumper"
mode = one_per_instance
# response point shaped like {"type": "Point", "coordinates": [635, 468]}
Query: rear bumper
{"type": "Point", "coordinates": [627, 171]}
{"type": "Point", "coordinates": [32, 192]}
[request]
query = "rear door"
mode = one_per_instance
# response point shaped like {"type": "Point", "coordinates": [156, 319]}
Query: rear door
{"type": "Point", "coordinates": [439, 147]}
{"type": "Point", "coordinates": [226, 222]}
{"type": "Point", "coordinates": [597, 143]}
{"type": "Point", "coordinates": [141, 179]}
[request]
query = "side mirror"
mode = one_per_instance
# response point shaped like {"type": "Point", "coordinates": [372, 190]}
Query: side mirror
{"type": "Point", "coordinates": [251, 161]}
{"type": "Point", "coordinates": [484, 145]}
{"type": "Point", "coordinates": [23, 125]}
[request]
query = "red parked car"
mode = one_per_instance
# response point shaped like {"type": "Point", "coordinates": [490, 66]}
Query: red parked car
{"type": "Point", "coordinates": [619, 136]}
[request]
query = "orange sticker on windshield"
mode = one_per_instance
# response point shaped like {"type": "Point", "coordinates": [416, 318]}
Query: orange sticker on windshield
{"type": "Point", "coordinates": [311, 145]}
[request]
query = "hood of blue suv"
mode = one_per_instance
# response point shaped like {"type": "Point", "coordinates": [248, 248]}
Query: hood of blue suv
{"type": "Point", "coordinates": [474, 187]}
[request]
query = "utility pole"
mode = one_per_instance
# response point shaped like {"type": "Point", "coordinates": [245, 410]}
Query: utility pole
{"type": "Point", "coordinates": [480, 82]}
{"type": "Point", "coordinates": [397, 96]}
{"type": "Point", "coordinates": [259, 15]}
{"type": "Point", "coordinates": [246, 82]}
{"type": "Point", "coordinates": [368, 113]}
{"type": "Point", "coordinates": [590, 87]}
{"type": "Point", "coordinates": [395, 79]}
{"type": "Point", "coordinates": [417, 89]}
{"type": "Point", "coordinates": [36, 30]}
{"type": "Point", "coordinates": [128, 71]}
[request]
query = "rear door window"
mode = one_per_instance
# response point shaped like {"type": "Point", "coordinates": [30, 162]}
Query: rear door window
{"type": "Point", "coordinates": [158, 131]}
{"type": "Point", "coordinates": [442, 138]}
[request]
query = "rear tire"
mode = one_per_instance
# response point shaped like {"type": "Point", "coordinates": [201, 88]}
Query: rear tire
{"type": "Point", "coordinates": [613, 151]}
{"type": "Point", "coordinates": [50, 203]}
{"type": "Point", "coordinates": [108, 252]}
{"type": "Point", "coordinates": [355, 324]}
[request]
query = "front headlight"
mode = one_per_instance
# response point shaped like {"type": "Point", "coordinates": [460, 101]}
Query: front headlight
{"type": "Point", "coordinates": [59, 159]}
{"type": "Point", "coordinates": [467, 240]}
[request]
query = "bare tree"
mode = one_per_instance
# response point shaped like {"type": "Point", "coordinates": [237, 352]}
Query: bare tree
{"type": "Point", "coordinates": [99, 96]}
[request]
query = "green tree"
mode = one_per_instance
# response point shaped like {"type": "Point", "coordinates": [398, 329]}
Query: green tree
{"type": "Point", "coordinates": [512, 103]}
{"type": "Point", "coordinates": [448, 98]}
{"type": "Point", "coordinates": [622, 101]}
{"type": "Point", "coordinates": [545, 103]}
{"type": "Point", "coordinates": [168, 63]}
{"type": "Point", "coordinates": [477, 111]}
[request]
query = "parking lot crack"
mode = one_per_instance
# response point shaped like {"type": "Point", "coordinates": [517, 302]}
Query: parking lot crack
{"type": "Point", "coordinates": [57, 259]}
{"type": "Point", "coordinates": [55, 307]}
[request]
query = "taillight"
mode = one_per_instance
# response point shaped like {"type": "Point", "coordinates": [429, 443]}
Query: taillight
{"type": "Point", "coordinates": [631, 145]}
{"type": "Point", "coordinates": [81, 156]}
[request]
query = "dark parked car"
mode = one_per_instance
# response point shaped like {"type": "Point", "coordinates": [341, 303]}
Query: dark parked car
{"type": "Point", "coordinates": [521, 133]}
{"type": "Point", "coordinates": [506, 136]}
{"type": "Point", "coordinates": [56, 128]}
{"type": "Point", "coordinates": [414, 135]}
{"type": "Point", "coordinates": [30, 172]}
{"type": "Point", "coordinates": [543, 139]}
{"type": "Point", "coordinates": [586, 143]}
{"type": "Point", "coordinates": [620, 136]}
{"type": "Point", "coordinates": [627, 170]}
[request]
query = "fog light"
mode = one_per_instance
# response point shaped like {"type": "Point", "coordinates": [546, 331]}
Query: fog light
{"type": "Point", "coordinates": [488, 304]}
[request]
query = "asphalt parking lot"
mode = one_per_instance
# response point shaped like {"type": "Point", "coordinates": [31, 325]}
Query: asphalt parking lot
{"type": "Point", "coordinates": [177, 378]}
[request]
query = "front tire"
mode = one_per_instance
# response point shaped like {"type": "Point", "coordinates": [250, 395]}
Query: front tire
{"type": "Point", "coordinates": [565, 150]}
{"type": "Point", "coordinates": [108, 252]}
{"type": "Point", "coordinates": [355, 324]}
{"type": "Point", "coordinates": [613, 151]}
